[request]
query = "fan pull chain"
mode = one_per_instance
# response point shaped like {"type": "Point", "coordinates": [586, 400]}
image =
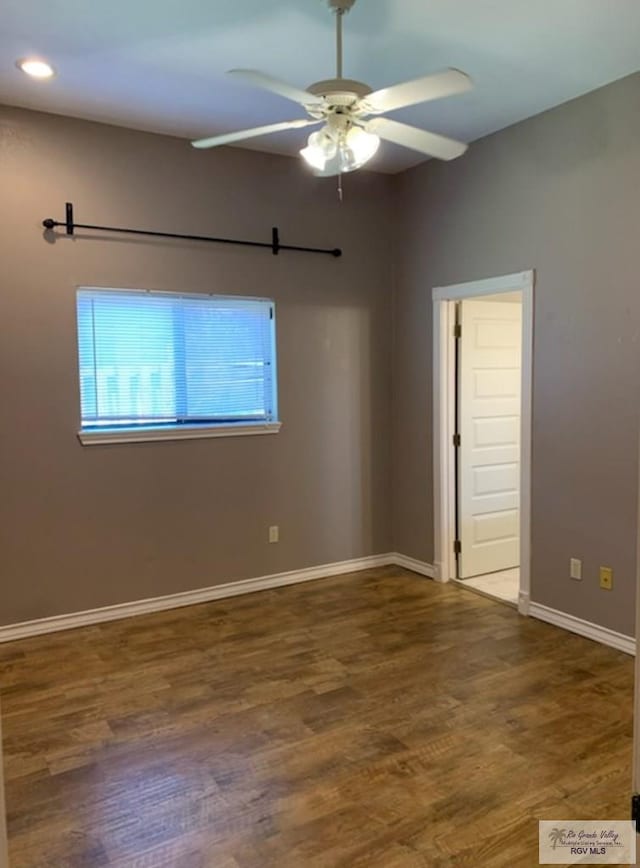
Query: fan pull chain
{"type": "Point", "coordinates": [340, 188]}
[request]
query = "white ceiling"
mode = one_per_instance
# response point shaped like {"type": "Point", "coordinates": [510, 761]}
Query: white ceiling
{"type": "Point", "coordinates": [159, 64]}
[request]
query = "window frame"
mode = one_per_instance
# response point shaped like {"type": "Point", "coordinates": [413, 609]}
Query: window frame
{"type": "Point", "coordinates": [180, 430]}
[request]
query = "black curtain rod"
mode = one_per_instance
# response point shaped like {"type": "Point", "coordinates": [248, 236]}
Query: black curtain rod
{"type": "Point", "coordinates": [275, 246]}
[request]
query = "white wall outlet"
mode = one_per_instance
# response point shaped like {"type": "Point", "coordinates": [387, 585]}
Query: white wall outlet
{"type": "Point", "coordinates": [274, 533]}
{"type": "Point", "coordinates": [575, 569]}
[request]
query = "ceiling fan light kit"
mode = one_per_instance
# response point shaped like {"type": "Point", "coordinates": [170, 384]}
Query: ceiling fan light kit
{"type": "Point", "coordinates": [338, 147]}
{"type": "Point", "coordinates": [350, 114]}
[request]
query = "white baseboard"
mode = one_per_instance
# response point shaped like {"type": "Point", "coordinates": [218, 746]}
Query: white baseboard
{"type": "Point", "coordinates": [85, 618]}
{"type": "Point", "coordinates": [408, 563]}
{"type": "Point", "coordinates": [583, 628]}
{"type": "Point", "coordinates": [524, 603]}
{"type": "Point", "coordinates": [188, 598]}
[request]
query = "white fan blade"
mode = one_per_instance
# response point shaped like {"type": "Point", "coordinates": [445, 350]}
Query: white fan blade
{"type": "Point", "coordinates": [274, 85]}
{"type": "Point", "coordinates": [418, 140]}
{"type": "Point", "coordinates": [425, 89]}
{"type": "Point", "coordinates": [227, 138]}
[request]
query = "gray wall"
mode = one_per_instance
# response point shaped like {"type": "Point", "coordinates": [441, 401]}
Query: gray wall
{"type": "Point", "coordinates": [82, 527]}
{"type": "Point", "coordinates": [91, 526]}
{"type": "Point", "coordinates": [558, 193]}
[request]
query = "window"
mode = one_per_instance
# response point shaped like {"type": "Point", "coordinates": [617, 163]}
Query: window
{"type": "Point", "coordinates": [156, 365]}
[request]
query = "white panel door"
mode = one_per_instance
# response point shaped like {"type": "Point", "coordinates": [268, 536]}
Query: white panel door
{"type": "Point", "coordinates": [489, 383]}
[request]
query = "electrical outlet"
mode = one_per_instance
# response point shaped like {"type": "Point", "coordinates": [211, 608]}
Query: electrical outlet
{"type": "Point", "coordinates": [274, 533]}
{"type": "Point", "coordinates": [575, 569]}
{"type": "Point", "coordinates": [606, 578]}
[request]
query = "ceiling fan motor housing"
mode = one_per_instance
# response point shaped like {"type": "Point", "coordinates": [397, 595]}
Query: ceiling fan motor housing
{"type": "Point", "coordinates": [345, 90]}
{"type": "Point", "coordinates": [339, 94]}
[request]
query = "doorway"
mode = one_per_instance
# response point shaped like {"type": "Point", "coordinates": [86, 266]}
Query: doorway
{"type": "Point", "coordinates": [482, 435]}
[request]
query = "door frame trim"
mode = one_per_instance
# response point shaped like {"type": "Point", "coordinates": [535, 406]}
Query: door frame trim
{"type": "Point", "coordinates": [444, 298]}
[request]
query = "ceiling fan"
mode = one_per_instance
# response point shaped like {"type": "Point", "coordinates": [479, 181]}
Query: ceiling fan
{"type": "Point", "coordinates": [349, 113]}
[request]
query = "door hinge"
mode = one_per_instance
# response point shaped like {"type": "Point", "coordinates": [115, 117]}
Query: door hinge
{"type": "Point", "coordinates": [456, 439]}
{"type": "Point", "coordinates": [635, 810]}
{"type": "Point", "coordinates": [457, 330]}
{"type": "Point", "coordinates": [457, 548]}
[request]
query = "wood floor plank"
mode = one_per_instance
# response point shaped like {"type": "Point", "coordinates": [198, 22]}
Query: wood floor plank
{"type": "Point", "coordinates": [377, 720]}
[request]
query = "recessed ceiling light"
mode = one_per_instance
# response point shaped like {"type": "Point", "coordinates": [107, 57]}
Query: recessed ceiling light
{"type": "Point", "coordinates": [35, 68]}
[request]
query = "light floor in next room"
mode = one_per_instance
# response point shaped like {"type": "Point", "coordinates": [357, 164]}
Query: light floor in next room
{"type": "Point", "coordinates": [503, 585]}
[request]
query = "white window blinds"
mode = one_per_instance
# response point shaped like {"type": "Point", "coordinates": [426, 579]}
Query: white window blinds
{"type": "Point", "coordinates": [166, 359]}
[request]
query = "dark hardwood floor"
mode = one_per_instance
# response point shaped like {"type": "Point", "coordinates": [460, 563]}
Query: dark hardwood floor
{"type": "Point", "coordinates": [376, 720]}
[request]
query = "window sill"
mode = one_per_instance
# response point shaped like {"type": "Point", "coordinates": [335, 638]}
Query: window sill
{"type": "Point", "coordinates": [184, 432]}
